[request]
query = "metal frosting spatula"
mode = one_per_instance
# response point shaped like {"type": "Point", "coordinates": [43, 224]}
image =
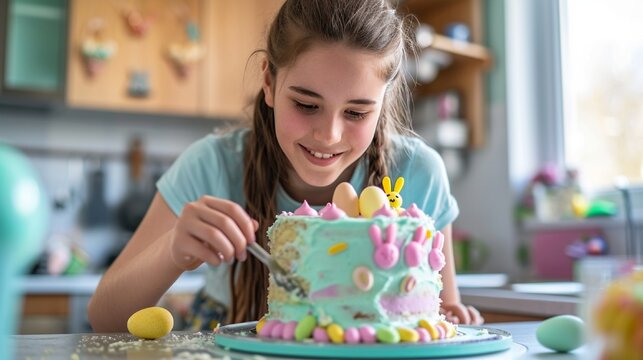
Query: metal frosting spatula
{"type": "Point", "coordinates": [282, 277]}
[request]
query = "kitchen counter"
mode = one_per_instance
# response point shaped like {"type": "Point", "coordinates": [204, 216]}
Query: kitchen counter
{"type": "Point", "coordinates": [503, 300]}
{"type": "Point", "coordinates": [186, 345]}
{"type": "Point", "coordinates": [86, 284]}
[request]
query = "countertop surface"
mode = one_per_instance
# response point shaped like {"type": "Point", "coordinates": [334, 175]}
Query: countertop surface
{"type": "Point", "coordinates": [189, 282]}
{"type": "Point", "coordinates": [186, 345]}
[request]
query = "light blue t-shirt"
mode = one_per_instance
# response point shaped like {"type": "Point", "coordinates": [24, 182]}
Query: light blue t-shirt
{"type": "Point", "coordinates": [213, 166]}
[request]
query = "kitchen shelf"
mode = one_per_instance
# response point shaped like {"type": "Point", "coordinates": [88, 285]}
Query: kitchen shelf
{"type": "Point", "coordinates": [462, 51]}
{"type": "Point", "coordinates": [588, 223]}
{"type": "Point", "coordinates": [470, 60]}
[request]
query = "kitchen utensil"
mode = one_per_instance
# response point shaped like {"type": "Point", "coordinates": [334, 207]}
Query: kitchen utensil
{"type": "Point", "coordinates": [134, 206]}
{"type": "Point", "coordinates": [281, 276]}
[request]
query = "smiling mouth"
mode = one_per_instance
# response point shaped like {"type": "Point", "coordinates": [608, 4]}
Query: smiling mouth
{"type": "Point", "coordinates": [320, 155]}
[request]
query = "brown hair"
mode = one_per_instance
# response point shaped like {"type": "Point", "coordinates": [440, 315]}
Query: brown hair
{"type": "Point", "coordinates": [370, 25]}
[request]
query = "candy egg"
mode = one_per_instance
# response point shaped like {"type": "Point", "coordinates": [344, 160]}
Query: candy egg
{"type": "Point", "coordinates": [372, 199]}
{"type": "Point", "coordinates": [346, 199]}
{"type": "Point", "coordinates": [305, 327]}
{"type": "Point", "coordinates": [387, 335]}
{"type": "Point", "coordinates": [335, 333]}
{"type": "Point", "coordinates": [408, 334]}
{"type": "Point", "coordinates": [561, 333]}
{"type": "Point", "coordinates": [150, 323]}
{"type": "Point", "coordinates": [363, 278]}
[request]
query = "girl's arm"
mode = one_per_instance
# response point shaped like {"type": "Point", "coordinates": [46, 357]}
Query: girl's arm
{"type": "Point", "coordinates": [450, 295]}
{"type": "Point", "coordinates": [163, 247]}
{"type": "Point", "coordinates": [140, 275]}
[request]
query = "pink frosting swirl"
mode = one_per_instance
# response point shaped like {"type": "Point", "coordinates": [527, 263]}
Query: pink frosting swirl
{"type": "Point", "coordinates": [385, 211]}
{"type": "Point", "coordinates": [306, 210]}
{"type": "Point", "coordinates": [331, 212]}
{"type": "Point", "coordinates": [414, 211]}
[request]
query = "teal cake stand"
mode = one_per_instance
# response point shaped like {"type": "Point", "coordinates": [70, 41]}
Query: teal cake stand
{"type": "Point", "coordinates": [471, 340]}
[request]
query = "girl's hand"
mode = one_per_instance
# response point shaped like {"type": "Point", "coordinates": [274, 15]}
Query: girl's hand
{"type": "Point", "coordinates": [211, 230]}
{"type": "Point", "coordinates": [461, 314]}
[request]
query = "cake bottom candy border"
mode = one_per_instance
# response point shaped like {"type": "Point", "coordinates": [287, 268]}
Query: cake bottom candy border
{"type": "Point", "coordinates": [470, 340]}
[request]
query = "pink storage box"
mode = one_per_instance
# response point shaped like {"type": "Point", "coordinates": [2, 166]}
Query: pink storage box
{"type": "Point", "coordinates": [548, 248]}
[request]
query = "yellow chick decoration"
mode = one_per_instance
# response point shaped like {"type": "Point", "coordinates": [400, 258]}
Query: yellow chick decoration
{"type": "Point", "coordinates": [150, 323]}
{"type": "Point", "coordinates": [393, 196]}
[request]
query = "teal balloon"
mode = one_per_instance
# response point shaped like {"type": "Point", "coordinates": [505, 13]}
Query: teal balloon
{"type": "Point", "coordinates": [24, 212]}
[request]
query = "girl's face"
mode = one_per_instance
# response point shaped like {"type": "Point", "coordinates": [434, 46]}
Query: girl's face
{"type": "Point", "coordinates": [326, 108]}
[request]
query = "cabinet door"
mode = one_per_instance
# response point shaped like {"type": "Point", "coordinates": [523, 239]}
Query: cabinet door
{"type": "Point", "coordinates": [235, 30]}
{"type": "Point", "coordinates": [33, 41]}
{"type": "Point", "coordinates": [134, 56]}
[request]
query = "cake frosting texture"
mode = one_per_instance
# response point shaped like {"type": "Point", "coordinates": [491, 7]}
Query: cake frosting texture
{"type": "Point", "coordinates": [371, 278]}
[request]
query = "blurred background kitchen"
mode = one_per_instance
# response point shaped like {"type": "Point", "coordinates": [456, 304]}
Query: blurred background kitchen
{"type": "Point", "coordinates": [534, 105]}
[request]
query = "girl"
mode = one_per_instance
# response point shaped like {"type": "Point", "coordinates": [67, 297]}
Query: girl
{"type": "Point", "coordinates": [333, 107]}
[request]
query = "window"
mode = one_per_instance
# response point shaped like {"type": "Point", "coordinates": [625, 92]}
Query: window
{"type": "Point", "coordinates": [603, 81]}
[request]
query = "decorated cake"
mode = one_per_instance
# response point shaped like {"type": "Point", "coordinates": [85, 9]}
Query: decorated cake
{"type": "Point", "coordinates": [369, 269]}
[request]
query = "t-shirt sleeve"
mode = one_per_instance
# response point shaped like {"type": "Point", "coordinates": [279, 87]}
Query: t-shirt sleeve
{"type": "Point", "coordinates": [426, 184]}
{"type": "Point", "coordinates": [191, 175]}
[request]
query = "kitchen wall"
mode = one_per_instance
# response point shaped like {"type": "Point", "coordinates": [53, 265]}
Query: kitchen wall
{"type": "Point", "coordinates": [68, 145]}
{"type": "Point", "coordinates": [485, 194]}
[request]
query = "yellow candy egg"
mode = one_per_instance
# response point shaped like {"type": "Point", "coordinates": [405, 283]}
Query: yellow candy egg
{"type": "Point", "coordinates": [150, 323]}
{"type": "Point", "coordinates": [372, 199]}
{"type": "Point", "coordinates": [260, 324]}
{"type": "Point", "coordinates": [346, 199]}
{"type": "Point", "coordinates": [408, 334]}
{"type": "Point", "coordinates": [435, 335]}
{"type": "Point", "coordinates": [335, 333]}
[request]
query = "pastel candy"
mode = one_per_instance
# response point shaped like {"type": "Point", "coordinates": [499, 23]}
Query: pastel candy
{"type": "Point", "coordinates": [260, 324]}
{"type": "Point", "coordinates": [385, 211]}
{"type": "Point", "coordinates": [363, 278]}
{"type": "Point", "coordinates": [335, 333]}
{"type": "Point", "coordinates": [408, 334]}
{"type": "Point", "coordinates": [305, 327]}
{"type": "Point", "coordinates": [277, 330]}
{"type": "Point", "coordinates": [266, 330]}
{"type": "Point", "coordinates": [351, 335]}
{"type": "Point", "coordinates": [387, 335]}
{"type": "Point", "coordinates": [150, 323]}
{"type": "Point", "coordinates": [346, 199]}
{"type": "Point", "coordinates": [306, 210]}
{"type": "Point", "coordinates": [408, 284]}
{"type": "Point", "coordinates": [320, 335]}
{"type": "Point", "coordinates": [449, 329]}
{"type": "Point", "coordinates": [432, 330]}
{"type": "Point", "coordinates": [423, 334]}
{"type": "Point", "coordinates": [442, 333]}
{"type": "Point", "coordinates": [371, 199]}
{"type": "Point", "coordinates": [289, 330]}
{"type": "Point", "coordinates": [367, 334]}
{"type": "Point", "coordinates": [332, 212]}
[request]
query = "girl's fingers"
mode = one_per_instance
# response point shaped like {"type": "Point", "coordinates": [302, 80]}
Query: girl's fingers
{"type": "Point", "coordinates": [233, 221]}
{"type": "Point", "coordinates": [476, 318]}
{"type": "Point", "coordinates": [193, 252]}
{"type": "Point", "coordinates": [215, 239]}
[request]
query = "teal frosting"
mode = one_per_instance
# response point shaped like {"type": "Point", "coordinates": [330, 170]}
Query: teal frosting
{"type": "Point", "coordinates": [333, 295]}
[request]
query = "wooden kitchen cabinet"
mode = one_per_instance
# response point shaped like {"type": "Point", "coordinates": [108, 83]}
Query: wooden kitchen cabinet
{"type": "Point", "coordinates": [32, 50]}
{"type": "Point", "coordinates": [470, 60]}
{"type": "Point", "coordinates": [235, 30]}
{"type": "Point", "coordinates": [229, 32]}
{"type": "Point", "coordinates": [108, 87]}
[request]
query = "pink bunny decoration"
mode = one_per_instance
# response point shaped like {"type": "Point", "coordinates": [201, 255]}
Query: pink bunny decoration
{"type": "Point", "coordinates": [436, 256]}
{"type": "Point", "coordinates": [386, 253]}
{"type": "Point", "coordinates": [414, 252]}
